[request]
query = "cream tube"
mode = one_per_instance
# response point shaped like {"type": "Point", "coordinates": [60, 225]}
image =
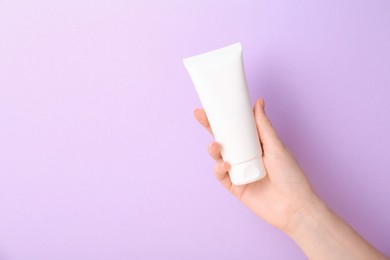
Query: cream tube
{"type": "Point", "coordinates": [219, 80]}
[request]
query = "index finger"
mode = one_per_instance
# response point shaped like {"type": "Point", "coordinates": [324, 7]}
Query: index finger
{"type": "Point", "coordinates": [201, 117]}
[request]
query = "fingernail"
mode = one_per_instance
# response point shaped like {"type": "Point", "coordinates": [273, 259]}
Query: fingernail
{"type": "Point", "coordinates": [211, 147]}
{"type": "Point", "coordinates": [258, 104]}
{"type": "Point", "coordinates": [221, 163]}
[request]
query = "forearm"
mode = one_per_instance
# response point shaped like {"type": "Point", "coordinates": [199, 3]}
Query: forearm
{"type": "Point", "coordinates": [321, 234]}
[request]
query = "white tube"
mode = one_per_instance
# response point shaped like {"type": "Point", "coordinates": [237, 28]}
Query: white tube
{"type": "Point", "coordinates": [219, 80]}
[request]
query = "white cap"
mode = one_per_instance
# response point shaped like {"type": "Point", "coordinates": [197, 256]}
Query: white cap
{"type": "Point", "coordinates": [247, 172]}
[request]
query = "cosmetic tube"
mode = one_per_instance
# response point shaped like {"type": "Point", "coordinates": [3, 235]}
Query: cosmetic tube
{"type": "Point", "coordinates": [219, 80]}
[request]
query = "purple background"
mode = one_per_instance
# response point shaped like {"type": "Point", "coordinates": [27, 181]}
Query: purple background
{"type": "Point", "coordinates": [100, 157]}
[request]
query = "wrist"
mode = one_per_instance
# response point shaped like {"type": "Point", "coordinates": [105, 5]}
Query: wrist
{"type": "Point", "coordinates": [309, 227]}
{"type": "Point", "coordinates": [321, 234]}
{"type": "Point", "coordinates": [309, 216]}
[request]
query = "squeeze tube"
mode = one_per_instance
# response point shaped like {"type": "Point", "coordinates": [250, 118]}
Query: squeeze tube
{"type": "Point", "coordinates": [219, 79]}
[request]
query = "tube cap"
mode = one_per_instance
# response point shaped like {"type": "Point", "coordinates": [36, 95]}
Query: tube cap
{"type": "Point", "coordinates": [247, 172]}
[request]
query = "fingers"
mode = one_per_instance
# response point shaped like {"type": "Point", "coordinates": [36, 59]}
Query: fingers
{"type": "Point", "coordinates": [214, 151]}
{"type": "Point", "coordinates": [221, 167]}
{"type": "Point", "coordinates": [201, 117]}
{"type": "Point", "coordinates": [268, 136]}
{"type": "Point", "coordinates": [221, 173]}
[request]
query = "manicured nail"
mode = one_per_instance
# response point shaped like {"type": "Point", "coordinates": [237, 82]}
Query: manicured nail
{"type": "Point", "coordinates": [211, 147]}
{"type": "Point", "coordinates": [262, 103]}
{"type": "Point", "coordinates": [258, 104]}
{"type": "Point", "coordinates": [221, 163]}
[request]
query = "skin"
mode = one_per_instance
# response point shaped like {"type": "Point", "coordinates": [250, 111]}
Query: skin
{"type": "Point", "coordinates": [285, 199]}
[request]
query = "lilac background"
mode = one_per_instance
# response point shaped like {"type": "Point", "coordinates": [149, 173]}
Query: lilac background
{"type": "Point", "coordinates": [100, 157]}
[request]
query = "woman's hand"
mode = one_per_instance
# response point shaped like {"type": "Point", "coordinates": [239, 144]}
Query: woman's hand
{"type": "Point", "coordinates": [285, 199]}
{"type": "Point", "coordinates": [283, 192]}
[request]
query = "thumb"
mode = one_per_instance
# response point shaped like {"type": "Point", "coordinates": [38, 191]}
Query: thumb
{"type": "Point", "coordinates": [268, 136]}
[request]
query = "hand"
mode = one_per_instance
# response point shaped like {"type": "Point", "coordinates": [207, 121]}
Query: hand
{"type": "Point", "coordinates": [283, 192]}
{"type": "Point", "coordinates": [285, 199]}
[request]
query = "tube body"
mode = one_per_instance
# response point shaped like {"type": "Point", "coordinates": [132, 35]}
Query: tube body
{"type": "Point", "coordinates": [219, 79]}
